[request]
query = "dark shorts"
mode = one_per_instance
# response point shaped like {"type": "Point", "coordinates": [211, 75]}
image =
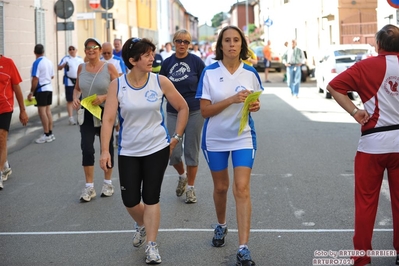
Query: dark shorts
{"type": "Point", "coordinates": [267, 63]}
{"type": "Point", "coordinates": [141, 178]}
{"type": "Point", "coordinates": [5, 121]}
{"type": "Point", "coordinates": [44, 98]}
{"type": "Point", "coordinates": [69, 93]}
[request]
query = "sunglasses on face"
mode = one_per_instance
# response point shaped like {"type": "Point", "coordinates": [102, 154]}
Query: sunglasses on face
{"type": "Point", "coordinates": [104, 53]}
{"type": "Point", "coordinates": [71, 49]}
{"type": "Point", "coordinates": [94, 47]}
{"type": "Point", "coordinates": [179, 41]}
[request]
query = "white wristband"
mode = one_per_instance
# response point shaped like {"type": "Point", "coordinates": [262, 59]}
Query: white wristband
{"type": "Point", "coordinates": [354, 111]}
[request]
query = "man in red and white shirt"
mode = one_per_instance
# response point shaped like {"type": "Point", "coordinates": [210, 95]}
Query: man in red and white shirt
{"type": "Point", "coordinates": [9, 84]}
{"type": "Point", "coordinates": [376, 81]}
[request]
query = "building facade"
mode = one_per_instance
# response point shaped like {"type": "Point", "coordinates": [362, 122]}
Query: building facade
{"type": "Point", "coordinates": [321, 23]}
{"type": "Point", "coordinates": [25, 23]}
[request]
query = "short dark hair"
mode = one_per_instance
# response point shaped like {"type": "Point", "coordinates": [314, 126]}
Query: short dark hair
{"type": "Point", "coordinates": [135, 48]}
{"type": "Point", "coordinates": [244, 45]}
{"type": "Point", "coordinates": [388, 38]}
{"type": "Point", "coordinates": [39, 49]}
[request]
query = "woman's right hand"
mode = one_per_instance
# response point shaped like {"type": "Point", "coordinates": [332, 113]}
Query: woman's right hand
{"type": "Point", "coordinates": [172, 145]}
{"type": "Point", "coordinates": [76, 103]}
{"type": "Point", "coordinates": [105, 161]}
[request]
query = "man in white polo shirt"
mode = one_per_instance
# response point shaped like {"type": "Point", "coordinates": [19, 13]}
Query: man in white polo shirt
{"type": "Point", "coordinates": [70, 64]}
{"type": "Point", "coordinates": [41, 88]}
{"type": "Point", "coordinates": [109, 57]}
{"type": "Point", "coordinates": [120, 66]}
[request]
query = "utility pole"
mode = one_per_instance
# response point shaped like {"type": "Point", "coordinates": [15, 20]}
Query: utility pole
{"type": "Point", "coordinates": [246, 18]}
{"type": "Point", "coordinates": [237, 11]}
{"type": "Point", "coordinates": [107, 20]}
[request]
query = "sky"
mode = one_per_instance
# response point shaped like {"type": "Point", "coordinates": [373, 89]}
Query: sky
{"type": "Point", "coordinates": [206, 9]}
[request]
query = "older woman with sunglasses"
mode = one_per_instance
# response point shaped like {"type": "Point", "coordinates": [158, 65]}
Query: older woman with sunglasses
{"type": "Point", "coordinates": [144, 142]}
{"type": "Point", "coordinates": [93, 77]}
{"type": "Point", "coordinates": [184, 70]}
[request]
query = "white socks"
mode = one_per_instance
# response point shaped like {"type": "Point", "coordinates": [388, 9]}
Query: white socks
{"type": "Point", "coordinates": [184, 175]}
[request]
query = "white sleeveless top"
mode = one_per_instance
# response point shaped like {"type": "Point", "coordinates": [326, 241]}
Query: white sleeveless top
{"type": "Point", "coordinates": [142, 124]}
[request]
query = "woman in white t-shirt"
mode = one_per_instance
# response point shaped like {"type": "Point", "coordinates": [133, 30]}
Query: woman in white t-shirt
{"type": "Point", "coordinates": [222, 90]}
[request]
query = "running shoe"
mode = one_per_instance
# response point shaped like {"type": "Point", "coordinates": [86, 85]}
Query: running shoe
{"type": "Point", "coordinates": [44, 139]}
{"type": "Point", "coordinates": [139, 237]}
{"type": "Point", "coordinates": [1, 183]}
{"type": "Point", "coordinates": [397, 259]}
{"type": "Point", "coordinates": [190, 196]}
{"type": "Point", "coordinates": [72, 121]}
{"type": "Point", "coordinates": [181, 186]}
{"type": "Point", "coordinates": [6, 173]}
{"type": "Point", "coordinates": [219, 237]}
{"type": "Point", "coordinates": [244, 258]}
{"type": "Point", "coordinates": [152, 254]}
{"type": "Point", "coordinates": [87, 194]}
{"type": "Point", "coordinates": [107, 190]}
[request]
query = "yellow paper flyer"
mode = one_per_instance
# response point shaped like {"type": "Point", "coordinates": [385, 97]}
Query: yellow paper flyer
{"type": "Point", "coordinates": [32, 102]}
{"type": "Point", "coordinates": [245, 109]}
{"type": "Point", "coordinates": [94, 109]}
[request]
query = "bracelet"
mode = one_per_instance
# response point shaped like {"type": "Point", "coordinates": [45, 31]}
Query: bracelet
{"type": "Point", "coordinates": [178, 137]}
{"type": "Point", "coordinates": [354, 111]}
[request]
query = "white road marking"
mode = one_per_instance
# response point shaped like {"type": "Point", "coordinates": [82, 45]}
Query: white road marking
{"type": "Point", "coordinates": [187, 230]}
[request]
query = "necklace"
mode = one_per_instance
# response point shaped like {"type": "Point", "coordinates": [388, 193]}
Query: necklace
{"type": "Point", "coordinates": [137, 83]}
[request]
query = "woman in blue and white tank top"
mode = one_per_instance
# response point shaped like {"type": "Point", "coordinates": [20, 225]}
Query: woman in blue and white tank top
{"type": "Point", "coordinates": [144, 142]}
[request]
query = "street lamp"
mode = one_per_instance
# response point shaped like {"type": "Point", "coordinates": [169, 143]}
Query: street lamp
{"type": "Point", "coordinates": [389, 18]}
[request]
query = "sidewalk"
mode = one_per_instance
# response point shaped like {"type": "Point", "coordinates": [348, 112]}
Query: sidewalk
{"type": "Point", "coordinates": [19, 136]}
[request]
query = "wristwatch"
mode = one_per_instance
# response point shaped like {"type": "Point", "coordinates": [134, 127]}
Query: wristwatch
{"type": "Point", "coordinates": [178, 137]}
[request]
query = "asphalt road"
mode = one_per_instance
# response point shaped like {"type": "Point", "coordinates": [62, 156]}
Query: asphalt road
{"type": "Point", "coordinates": [302, 196]}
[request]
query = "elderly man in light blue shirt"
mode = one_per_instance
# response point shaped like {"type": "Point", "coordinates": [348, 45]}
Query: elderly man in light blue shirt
{"type": "Point", "coordinates": [293, 59]}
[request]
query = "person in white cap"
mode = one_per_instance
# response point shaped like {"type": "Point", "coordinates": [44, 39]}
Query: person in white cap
{"type": "Point", "coordinates": [70, 64]}
{"type": "Point", "coordinates": [93, 78]}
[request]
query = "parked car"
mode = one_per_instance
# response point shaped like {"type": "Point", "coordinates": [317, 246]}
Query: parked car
{"type": "Point", "coordinates": [336, 59]}
{"type": "Point", "coordinates": [257, 47]}
{"type": "Point", "coordinates": [307, 69]}
{"type": "Point", "coordinates": [276, 63]}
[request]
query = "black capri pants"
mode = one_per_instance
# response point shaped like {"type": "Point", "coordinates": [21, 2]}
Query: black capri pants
{"type": "Point", "coordinates": [141, 177]}
{"type": "Point", "coordinates": [88, 133]}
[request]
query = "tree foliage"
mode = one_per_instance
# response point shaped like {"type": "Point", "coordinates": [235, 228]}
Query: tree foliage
{"type": "Point", "coordinates": [251, 28]}
{"type": "Point", "coordinates": [218, 18]}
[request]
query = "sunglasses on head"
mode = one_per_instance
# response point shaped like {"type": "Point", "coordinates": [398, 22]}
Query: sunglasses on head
{"type": "Point", "coordinates": [179, 41]}
{"type": "Point", "coordinates": [134, 41]}
{"type": "Point", "coordinates": [94, 47]}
